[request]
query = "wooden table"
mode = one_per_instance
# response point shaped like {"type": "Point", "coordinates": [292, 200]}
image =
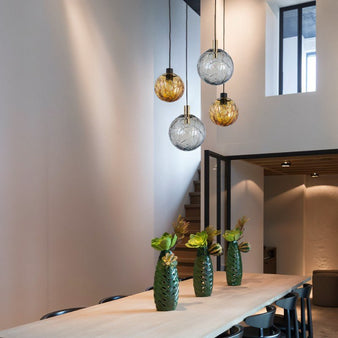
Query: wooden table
{"type": "Point", "coordinates": [135, 316]}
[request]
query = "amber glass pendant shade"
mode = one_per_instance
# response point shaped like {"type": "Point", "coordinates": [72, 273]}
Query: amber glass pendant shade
{"type": "Point", "coordinates": [169, 87]}
{"type": "Point", "coordinates": [223, 111]}
{"type": "Point", "coordinates": [187, 132]}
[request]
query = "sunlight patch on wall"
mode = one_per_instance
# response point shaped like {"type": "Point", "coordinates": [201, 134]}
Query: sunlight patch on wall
{"type": "Point", "coordinates": [94, 74]}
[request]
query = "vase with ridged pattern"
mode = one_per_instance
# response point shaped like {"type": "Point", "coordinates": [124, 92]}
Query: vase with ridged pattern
{"type": "Point", "coordinates": [165, 285]}
{"type": "Point", "coordinates": [234, 265]}
{"type": "Point", "coordinates": [203, 273]}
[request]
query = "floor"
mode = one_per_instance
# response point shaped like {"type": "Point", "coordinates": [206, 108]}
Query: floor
{"type": "Point", "coordinates": [325, 322]}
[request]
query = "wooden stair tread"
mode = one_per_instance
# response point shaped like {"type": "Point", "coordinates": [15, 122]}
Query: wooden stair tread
{"type": "Point", "coordinates": [193, 218]}
{"type": "Point", "coordinates": [185, 260]}
{"type": "Point", "coordinates": [190, 206]}
{"type": "Point", "coordinates": [195, 193]}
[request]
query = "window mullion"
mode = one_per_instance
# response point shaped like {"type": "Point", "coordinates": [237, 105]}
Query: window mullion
{"type": "Point", "coordinates": [281, 41]}
{"type": "Point", "coordinates": [300, 34]}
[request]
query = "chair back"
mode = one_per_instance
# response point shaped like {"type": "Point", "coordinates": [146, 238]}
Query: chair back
{"type": "Point", "coordinates": [111, 298]}
{"type": "Point", "coordinates": [263, 320]}
{"type": "Point", "coordinates": [288, 302]}
{"type": "Point", "coordinates": [234, 332]}
{"type": "Point", "coordinates": [60, 312]}
{"type": "Point", "coordinates": [304, 292]}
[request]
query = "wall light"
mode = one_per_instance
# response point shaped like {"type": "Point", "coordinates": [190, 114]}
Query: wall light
{"type": "Point", "coordinates": [314, 175]}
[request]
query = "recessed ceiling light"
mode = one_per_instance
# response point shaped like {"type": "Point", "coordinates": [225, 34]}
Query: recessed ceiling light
{"type": "Point", "coordinates": [286, 164]}
{"type": "Point", "coordinates": [314, 175]}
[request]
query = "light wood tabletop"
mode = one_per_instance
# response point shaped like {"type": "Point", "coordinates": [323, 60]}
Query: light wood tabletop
{"type": "Point", "coordinates": [136, 315]}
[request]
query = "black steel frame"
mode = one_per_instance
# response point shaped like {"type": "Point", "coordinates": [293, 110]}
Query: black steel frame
{"type": "Point", "coordinates": [219, 158]}
{"type": "Point", "coordinates": [299, 41]}
{"type": "Point", "coordinates": [227, 160]}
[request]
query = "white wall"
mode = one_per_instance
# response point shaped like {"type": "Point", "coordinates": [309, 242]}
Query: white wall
{"type": "Point", "coordinates": [283, 221]}
{"type": "Point", "coordinates": [247, 199]}
{"type": "Point", "coordinates": [83, 182]}
{"type": "Point", "coordinates": [320, 223]}
{"type": "Point", "coordinates": [263, 121]}
{"type": "Point", "coordinates": [300, 220]}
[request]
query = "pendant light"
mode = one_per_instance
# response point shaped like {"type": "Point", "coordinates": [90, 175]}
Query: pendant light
{"type": "Point", "coordinates": [215, 66]}
{"type": "Point", "coordinates": [223, 111]}
{"type": "Point", "coordinates": [186, 132]}
{"type": "Point", "coordinates": [169, 87]}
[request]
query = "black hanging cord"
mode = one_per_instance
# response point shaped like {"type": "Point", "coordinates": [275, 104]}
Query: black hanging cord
{"type": "Point", "coordinates": [169, 33]}
{"type": "Point", "coordinates": [215, 23]}
{"type": "Point", "coordinates": [223, 35]}
{"type": "Point", "coordinates": [186, 54]}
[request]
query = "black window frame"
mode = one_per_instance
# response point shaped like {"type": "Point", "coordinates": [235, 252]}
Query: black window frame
{"type": "Point", "coordinates": [299, 8]}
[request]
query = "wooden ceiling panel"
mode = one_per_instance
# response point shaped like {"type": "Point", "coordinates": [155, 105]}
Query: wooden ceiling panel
{"type": "Point", "coordinates": [326, 164]}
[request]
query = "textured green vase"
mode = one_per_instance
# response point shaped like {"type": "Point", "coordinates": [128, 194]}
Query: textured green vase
{"type": "Point", "coordinates": [165, 285]}
{"type": "Point", "coordinates": [234, 265]}
{"type": "Point", "coordinates": [203, 273]}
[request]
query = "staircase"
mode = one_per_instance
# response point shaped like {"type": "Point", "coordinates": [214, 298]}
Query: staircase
{"type": "Point", "coordinates": [186, 256]}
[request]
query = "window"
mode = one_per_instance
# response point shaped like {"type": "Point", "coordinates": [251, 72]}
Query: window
{"type": "Point", "coordinates": [297, 48]}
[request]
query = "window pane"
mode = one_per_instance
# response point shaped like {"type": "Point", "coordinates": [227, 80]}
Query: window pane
{"type": "Point", "coordinates": [290, 51]}
{"type": "Point", "coordinates": [311, 72]}
{"type": "Point", "coordinates": [309, 49]}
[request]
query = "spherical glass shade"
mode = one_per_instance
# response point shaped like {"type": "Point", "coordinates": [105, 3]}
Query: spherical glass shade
{"type": "Point", "coordinates": [223, 114]}
{"type": "Point", "coordinates": [187, 136]}
{"type": "Point", "coordinates": [215, 70]}
{"type": "Point", "coordinates": [169, 87]}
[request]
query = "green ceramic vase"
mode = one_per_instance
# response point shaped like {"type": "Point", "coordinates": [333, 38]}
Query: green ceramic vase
{"type": "Point", "coordinates": [234, 265]}
{"type": "Point", "coordinates": [203, 273]}
{"type": "Point", "coordinates": [165, 285]}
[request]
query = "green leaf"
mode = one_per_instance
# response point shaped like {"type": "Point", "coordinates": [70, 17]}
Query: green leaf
{"type": "Point", "coordinates": [232, 235]}
{"type": "Point", "coordinates": [198, 240]}
{"type": "Point", "coordinates": [244, 247]}
{"type": "Point", "coordinates": [165, 242]}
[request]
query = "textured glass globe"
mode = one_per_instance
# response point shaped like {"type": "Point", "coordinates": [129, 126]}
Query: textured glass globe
{"type": "Point", "coordinates": [215, 70]}
{"type": "Point", "coordinates": [169, 87]}
{"type": "Point", "coordinates": [187, 136]}
{"type": "Point", "coordinates": [223, 114]}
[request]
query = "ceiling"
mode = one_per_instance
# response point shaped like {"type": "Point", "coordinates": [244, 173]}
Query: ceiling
{"type": "Point", "coordinates": [324, 164]}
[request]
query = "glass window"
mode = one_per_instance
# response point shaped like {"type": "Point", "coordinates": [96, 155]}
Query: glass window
{"type": "Point", "coordinates": [297, 64]}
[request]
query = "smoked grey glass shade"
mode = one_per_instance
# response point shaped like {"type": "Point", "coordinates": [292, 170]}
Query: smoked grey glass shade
{"type": "Point", "coordinates": [187, 136]}
{"type": "Point", "coordinates": [215, 70]}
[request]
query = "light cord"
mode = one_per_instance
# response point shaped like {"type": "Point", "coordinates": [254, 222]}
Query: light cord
{"type": "Point", "coordinates": [186, 53]}
{"type": "Point", "coordinates": [169, 33]}
{"type": "Point", "coordinates": [215, 23]}
{"type": "Point", "coordinates": [224, 35]}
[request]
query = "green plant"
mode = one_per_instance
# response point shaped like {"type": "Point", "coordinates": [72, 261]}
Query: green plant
{"type": "Point", "coordinates": [236, 234]}
{"type": "Point", "coordinates": [165, 242]}
{"type": "Point", "coordinates": [198, 240]}
{"type": "Point", "coordinates": [180, 227]}
{"type": "Point", "coordinates": [169, 259]}
{"type": "Point", "coordinates": [205, 239]}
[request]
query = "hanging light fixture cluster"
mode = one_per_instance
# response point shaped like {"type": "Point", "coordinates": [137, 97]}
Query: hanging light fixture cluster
{"type": "Point", "coordinates": [215, 67]}
{"type": "Point", "coordinates": [186, 132]}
